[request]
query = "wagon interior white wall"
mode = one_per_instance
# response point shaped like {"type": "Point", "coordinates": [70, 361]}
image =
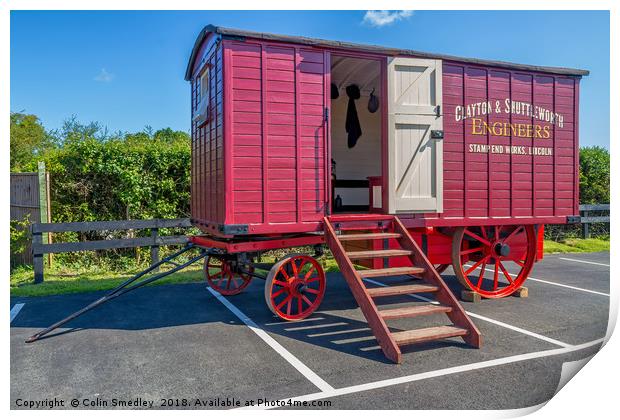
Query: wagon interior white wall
{"type": "Point", "coordinates": [364, 159]}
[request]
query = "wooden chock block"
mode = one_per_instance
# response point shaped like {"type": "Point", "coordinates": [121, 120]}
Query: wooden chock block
{"type": "Point", "coordinates": [470, 296]}
{"type": "Point", "coordinates": [521, 292]}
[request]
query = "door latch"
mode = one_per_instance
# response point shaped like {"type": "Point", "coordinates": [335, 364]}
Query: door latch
{"type": "Point", "coordinates": [437, 134]}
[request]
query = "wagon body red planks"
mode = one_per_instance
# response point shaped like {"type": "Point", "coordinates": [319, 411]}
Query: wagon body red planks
{"type": "Point", "coordinates": [461, 165]}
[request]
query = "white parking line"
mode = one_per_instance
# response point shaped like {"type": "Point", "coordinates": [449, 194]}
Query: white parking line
{"type": "Point", "coordinates": [521, 330]}
{"type": "Point", "coordinates": [594, 292]}
{"type": "Point", "coordinates": [484, 318]}
{"type": "Point", "coordinates": [15, 310]}
{"type": "Point", "coordinates": [288, 356]}
{"type": "Point", "coordinates": [583, 261]}
{"type": "Point", "coordinates": [434, 374]}
{"type": "Point", "coordinates": [551, 283]}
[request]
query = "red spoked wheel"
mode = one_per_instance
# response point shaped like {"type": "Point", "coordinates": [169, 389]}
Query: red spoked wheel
{"type": "Point", "coordinates": [494, 261]}
{"type": "Point", "coordinates": [440, 268]}
{"type": "Point", "coordinates": [295, 287]}
{"type": "Point", "coordinates": [224, 275]}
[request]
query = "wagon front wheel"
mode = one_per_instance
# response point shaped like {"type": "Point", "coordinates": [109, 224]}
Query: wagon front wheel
{"type": "Point", "coordinates": [493, 261]}
{"type": "Point", "coordinates": [295, 287]}
{"type": "Point", "coordinates": [226, 276]}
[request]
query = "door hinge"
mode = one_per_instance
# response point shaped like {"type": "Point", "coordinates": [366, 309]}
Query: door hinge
{"type": "Point", "coordinates": [326, 114]}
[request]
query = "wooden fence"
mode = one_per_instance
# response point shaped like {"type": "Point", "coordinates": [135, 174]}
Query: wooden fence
{"type": "Point", "coordinates": [39, 231]}
{"type": "Point", "coordinates": [29, 198]}
{"type": "Point", "coordinates": [39, 249]}
{"type": "Point", "coordinates": [587, 219]}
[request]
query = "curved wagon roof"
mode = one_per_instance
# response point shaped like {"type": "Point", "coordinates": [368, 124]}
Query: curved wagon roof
{"type": "Point", "coordinates": [238, 33]}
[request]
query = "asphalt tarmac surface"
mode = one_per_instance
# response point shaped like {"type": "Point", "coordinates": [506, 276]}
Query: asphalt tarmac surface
{"type": "Point", "coordinates": [182, 346]}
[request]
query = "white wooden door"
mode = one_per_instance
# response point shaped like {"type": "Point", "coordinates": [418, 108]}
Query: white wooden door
{"type": "Point", "coordinates": [415, 158]}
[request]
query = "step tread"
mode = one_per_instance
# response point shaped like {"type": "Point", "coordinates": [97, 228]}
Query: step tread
{"type": "Point", "coordinates": [366, 236]}
{"type": "Point", "coordinates": [401, 290]}
{"type": "Point", "coordinates": [427, 334]}
{"type": "Point", "coordinates": [411, 311]}
{"type": "Point", "coordinates": [378, 253]}
{"type": "Point", "coordinates": [393, 271]}
{"type": "Point", "coordinates": [359, 217]}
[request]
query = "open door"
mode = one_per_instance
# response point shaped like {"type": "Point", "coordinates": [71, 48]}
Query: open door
{"type": "Point", "coordinates": [415, 133]}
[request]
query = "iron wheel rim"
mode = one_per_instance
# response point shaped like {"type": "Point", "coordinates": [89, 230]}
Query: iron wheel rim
{"type": "Point", "coordinates": [295, 287]}
{"type": "Point", "coordinates": [486, 249]}
{"type": "Point", "coordinates": [222, 277]}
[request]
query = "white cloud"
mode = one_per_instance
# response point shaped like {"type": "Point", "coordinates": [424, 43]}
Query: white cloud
{"type": "Point", "coordinates": [104, 76]}
{"type": "Point", "coordinates": [385, 17]}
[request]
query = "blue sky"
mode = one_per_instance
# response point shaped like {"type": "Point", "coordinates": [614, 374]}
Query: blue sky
{"type": "Point", "coordinates": [125, 69]}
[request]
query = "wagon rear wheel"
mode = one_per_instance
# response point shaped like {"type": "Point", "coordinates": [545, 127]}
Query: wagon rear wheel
{"type": "Point", "coordinates": [295, 287]}
{"type": "Point", "coordinates": [440, 268]}
{"type": "Point", "coordinates": [226, 275]}
{"type": "Point", "coordinates": [493, 261]}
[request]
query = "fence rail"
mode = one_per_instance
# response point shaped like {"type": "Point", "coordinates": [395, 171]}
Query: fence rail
{"type": "Point", "coordinates": [154, 241]}
{"type": "Point", "coordinates": [587, 220]}
{"type": "Point", "coordinates": [39, 249]}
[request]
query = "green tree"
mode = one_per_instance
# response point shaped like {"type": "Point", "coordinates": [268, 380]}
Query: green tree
{"type": "Point", "coordinates": [593, 175]}
{"type": "Point", "coordinates": [28, 139]}
{"type": "Point", "coordinates": [98, 176]}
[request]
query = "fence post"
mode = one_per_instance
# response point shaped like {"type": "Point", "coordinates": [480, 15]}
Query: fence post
{"type": "Point", "coordinates": [155, 248]}
{"type": "Point", "coordinates": [585, 227]}
{"type": "Point", "coordinates": [37, 259]}
{"type": "Point", "coordinates": [48, 202]}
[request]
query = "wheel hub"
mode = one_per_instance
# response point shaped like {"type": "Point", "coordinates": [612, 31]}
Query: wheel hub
{"type": "Point", "coordinates": [297, 286]}
{"type": "Point", "coordinates": [502, 249]}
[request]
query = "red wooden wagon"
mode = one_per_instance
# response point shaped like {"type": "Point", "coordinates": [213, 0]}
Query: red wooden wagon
{"type": "Point", "coordinates": [461, 164]}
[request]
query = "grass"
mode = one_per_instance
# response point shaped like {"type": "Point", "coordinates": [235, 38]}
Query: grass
{"type": "Point", "coordinates": [576, 245]}
{"type": "Point", "coordinates": [59, 282]}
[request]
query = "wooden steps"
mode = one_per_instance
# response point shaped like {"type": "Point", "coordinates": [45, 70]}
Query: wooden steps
{"type": "Point", "coordinates": [394, 271]}
{"type": "Point", "coordinates": [422, 335]}
{"type": "Point", "coordinates": [368, 236]}
{"type": "Point", "coordinates": [412, 311]}
{"type": "Point", "coordinates": [406, 289]}
{"type": "Point", "coordinates": [389, 233]}
{"type": "Point", "coordinates": [379, 253]}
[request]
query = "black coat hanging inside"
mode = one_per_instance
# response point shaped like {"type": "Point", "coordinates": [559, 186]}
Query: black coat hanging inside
{"type": "Point", "coordinates": [352, 124]}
